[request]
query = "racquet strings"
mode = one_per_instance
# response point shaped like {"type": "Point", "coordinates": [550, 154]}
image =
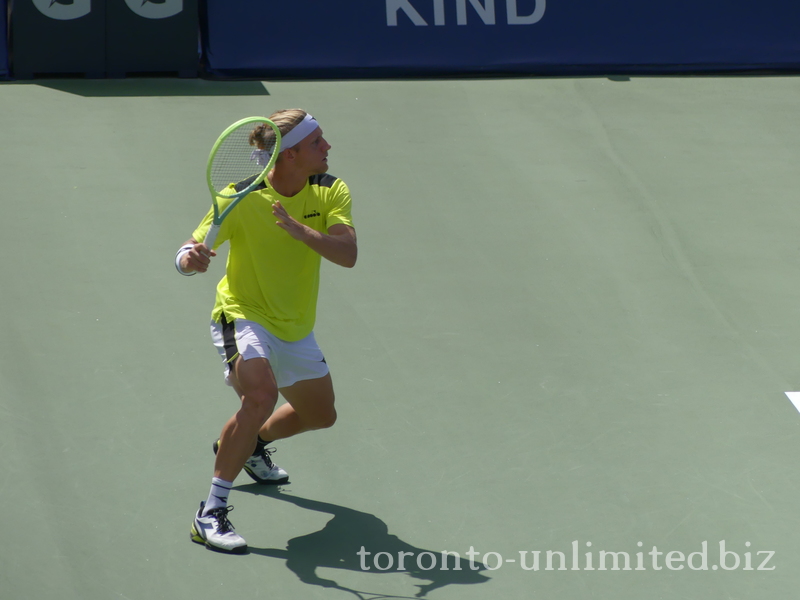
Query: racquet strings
{"type": "Point", "coordinates": [242, 155]}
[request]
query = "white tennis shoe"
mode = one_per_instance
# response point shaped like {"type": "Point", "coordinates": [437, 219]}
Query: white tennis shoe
{"type": "Point", "coordinates": [215, 531]}
{"type": "Point", "coordinates": [261, 468]}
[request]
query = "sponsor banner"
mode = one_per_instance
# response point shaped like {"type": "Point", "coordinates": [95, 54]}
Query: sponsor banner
{"type": "Point", "coordinates": [49, 36]}
{"type": "Point", "coordinates": [100, 38]}
{"type": "Point", "coordinates": [152, 36]}
{"type": "Point", "coordinates": [302, 38]}
{"type": "Point", "coordinates": [3, 41]}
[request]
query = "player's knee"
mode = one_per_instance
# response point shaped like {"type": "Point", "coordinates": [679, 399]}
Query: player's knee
{"type": "Point", "coordinates": [324, 419]}
{"type": "Point", "coordinates": [330, 419]}
{"type": "Point", "coordinates": [259, 405]}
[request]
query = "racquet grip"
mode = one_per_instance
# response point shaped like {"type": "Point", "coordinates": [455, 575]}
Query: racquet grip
{"type": "Point", "coordinates": [211, 236]}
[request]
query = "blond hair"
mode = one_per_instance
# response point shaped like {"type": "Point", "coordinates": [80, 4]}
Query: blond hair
{"type": "Point", "coordinates": [287, 119]}
{"type": "Point", "coordinates": [263, 136]}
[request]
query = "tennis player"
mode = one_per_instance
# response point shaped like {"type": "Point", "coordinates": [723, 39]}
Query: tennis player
{"type": "Point", "coordinates": [263, 318]}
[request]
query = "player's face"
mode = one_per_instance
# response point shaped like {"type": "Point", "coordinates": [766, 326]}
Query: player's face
{"type": "Point", "coordinates": [312, 153]}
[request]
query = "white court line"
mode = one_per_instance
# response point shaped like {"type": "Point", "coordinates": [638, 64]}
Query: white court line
{"type": "Point", "coordinates": [794, 398]}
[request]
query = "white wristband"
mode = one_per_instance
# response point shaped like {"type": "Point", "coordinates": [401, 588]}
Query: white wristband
{"type": "Point", "coordinates": [178, 256]}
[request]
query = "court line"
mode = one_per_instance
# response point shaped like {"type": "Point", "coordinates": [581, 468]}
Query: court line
{"type": "Point", "coordinates": [794, 398]}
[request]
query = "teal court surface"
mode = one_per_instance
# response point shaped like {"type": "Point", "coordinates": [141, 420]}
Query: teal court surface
{"type": "Point", "coordinates": [563, 354]}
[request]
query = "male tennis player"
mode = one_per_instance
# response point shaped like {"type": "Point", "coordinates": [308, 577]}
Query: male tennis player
{"type": "Point", "coordinates": [263, 319]}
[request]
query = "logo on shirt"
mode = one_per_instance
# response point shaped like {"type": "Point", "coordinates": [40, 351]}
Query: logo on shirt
{"type": "Point", "coordinates": [313, 214]}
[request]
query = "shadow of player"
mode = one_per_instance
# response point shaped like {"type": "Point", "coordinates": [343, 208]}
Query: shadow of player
{"type": "Point", "coordinates": [349, 532]}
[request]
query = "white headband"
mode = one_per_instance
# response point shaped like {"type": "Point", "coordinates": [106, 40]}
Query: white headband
{"type": "Point", "coordinates": [299, 132]}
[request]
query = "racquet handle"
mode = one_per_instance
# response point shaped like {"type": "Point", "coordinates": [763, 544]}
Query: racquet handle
{"type": "Point", "coordinates": [211, 236]}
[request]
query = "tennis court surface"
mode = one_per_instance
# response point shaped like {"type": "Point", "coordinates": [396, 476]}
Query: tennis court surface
{"type": "Point", "coordinates": [568, 339]}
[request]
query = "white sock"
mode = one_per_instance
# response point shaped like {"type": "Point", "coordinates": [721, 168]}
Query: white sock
{"type": "Point", "coordinates": [218, 496]}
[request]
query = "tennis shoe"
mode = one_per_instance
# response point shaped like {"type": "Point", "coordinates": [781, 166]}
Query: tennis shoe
{"type": "Point", "coordinates": [261, 468]}
{"type": "Point", "coordinates": [215, 531]}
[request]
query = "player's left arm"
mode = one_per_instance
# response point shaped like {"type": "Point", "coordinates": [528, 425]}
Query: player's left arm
{"type": "Point", "coordinates": [339, 245]}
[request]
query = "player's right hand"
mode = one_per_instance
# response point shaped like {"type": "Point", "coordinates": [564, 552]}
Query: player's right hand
{"type": "Point", "coordinates": [198, 258]}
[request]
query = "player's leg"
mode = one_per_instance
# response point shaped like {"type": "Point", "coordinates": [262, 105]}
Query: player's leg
{"type": "Point", "coordinates": [257, 388]}
{"type": "Point", "coordinates": [308, 389]}
{"type": "Point", "coordinates": [305, 383]}
{"type": "Point", "coordinates": [315, 401]}
{"type": "Point", "coordinates": [310, 405]}
{"type": "Point", "coordinates": [258, 465]}
{"type": "Point", "coordinates": [259, 394]}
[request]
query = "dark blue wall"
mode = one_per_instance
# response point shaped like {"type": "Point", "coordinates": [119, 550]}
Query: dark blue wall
{"type": "Point", "coordinates": [3, 41]}
{"type": "Point", "coordinates": [321, 38]}
{"type": "Point", "coordinates": [385, 38]}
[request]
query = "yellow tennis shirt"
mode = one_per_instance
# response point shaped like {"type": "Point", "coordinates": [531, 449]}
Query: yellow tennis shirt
{"type": "Point", "coordinates": [270, 277]}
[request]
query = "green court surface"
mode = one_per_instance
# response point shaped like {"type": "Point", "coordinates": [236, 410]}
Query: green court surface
{"type": "Point", "coordinates": [571, 329]}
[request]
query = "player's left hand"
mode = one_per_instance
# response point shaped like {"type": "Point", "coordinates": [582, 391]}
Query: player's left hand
{"type": "Point", "coordinates": [293, 227]}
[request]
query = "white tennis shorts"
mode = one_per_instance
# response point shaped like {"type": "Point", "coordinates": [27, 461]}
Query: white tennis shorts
{"type": "Point", "coordinates": [290, 361]}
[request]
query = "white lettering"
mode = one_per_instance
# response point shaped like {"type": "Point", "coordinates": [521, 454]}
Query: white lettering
{"type": "Point", "coordinates": [723, 557]}
{"type": "Point", "coordinates": [445, 554]}
{"type": "Point", "coordinates": [524, 565]}
{"type": "Point", "coordinates": [615, 560]}
{"type": "Point", "coordinates": [419, 560]}
{"type": "Point", "coordinates": [395, 6]}
{"type": "Point", "coordinates": [655, 554]}
{"type": "Point", "coordinates": [514, 18]}
{"type": "Point", "coordinates": [485, 9]}
{"type": "Point", "coordinates": [498, 557]}
{"type": "Point", "coordinates": [562, 559]}
{"type": "Point", "coordinates": [770, 554]}
{"type": "Point", "coordinates": [401, 560]}
{"type": "Point", "coordinates": [472, 554]}
{"type": "Point", "coordinates": [675, 557]}
{"type": "Point", "coordinates": [378, 566]}
{"type": "Point", "coordinates": [363, 554]}
{"type": "Point", "coordinates": [703, 554]}
{"type": "Point", "coordinates": [486, 13]}
{"type": "Point", "coordinates": [438, 12]}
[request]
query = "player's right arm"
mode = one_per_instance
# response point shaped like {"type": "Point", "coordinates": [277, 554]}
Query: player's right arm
{"type": "Point", "coordinates": [197, 258]}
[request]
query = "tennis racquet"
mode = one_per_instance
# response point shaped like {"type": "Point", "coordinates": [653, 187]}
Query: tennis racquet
{"type": "Point", "coordinates": [242, 155]}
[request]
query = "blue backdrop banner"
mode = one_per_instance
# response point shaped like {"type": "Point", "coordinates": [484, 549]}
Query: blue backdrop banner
{"type": "Point", "coordinates": [376, 38]}
{"type": "Point", "coordinates": [3, 40]}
